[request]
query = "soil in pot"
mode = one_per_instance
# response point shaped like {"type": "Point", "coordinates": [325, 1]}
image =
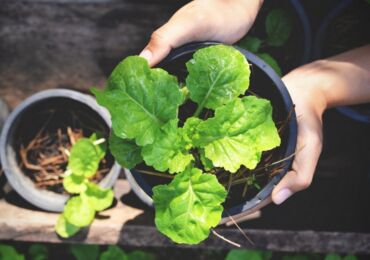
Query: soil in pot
{"type": "Point", "coordinates": [348, 30]}
{"type": "Point", "coordinates": [46, 133]}
{"type": "Point", "coordinates": [245, 184]}
{"type": "Point", "coordinates": [291, 53]}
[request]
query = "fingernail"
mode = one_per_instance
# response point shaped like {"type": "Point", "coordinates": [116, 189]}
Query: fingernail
{"type": "Point", "coordinates": [282, 195]}
{"type": "Point", "coordinates": [146, 54]}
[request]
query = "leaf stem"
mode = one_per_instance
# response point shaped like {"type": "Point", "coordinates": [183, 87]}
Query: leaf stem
{"type": "Point", "coordinates": [156, 174]}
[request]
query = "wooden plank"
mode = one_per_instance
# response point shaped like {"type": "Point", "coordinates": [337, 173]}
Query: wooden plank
{"type": "Point", "coordinates": [71, 44]}
{"type": "Point", "coordinates": [130, 226]}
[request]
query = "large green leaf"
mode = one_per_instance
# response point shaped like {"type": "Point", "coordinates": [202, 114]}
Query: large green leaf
{"type": "Point", "coordinates": [64, 228]}
{"type": "Point", "coordinates": [139, 99]}
{"type": "Point", "coordinates": [85, 252]}
{"type": "Point", "coordinates": [74, 183]}
{"type": "Point", "coordinates": [9, 253]}
{"type": "Point", "coordinates": [126, 152]}
{"type": "Point", "coordinates": [38, 252]}
{"type": "Point", "coordinates": [240, 254]}
{"type": "Point", "coordinates": [168, 150]}
{"type": "Point", "coordinates": [217, 75]}
{"type": "Point", "coordinates": [238, 133]}
{"type": "Point", "coordinates": [84, 159]}
{"type": "Point", "coordinates": [98, 198]}
{"type": "Point", "coordinates": [113, 253]}
{"type": "Point", "coordinates": [189, 206]}
{"type": "Point", "coordinates": [278, 27]}
{"type": "Point", "coordinates": [79, 212]}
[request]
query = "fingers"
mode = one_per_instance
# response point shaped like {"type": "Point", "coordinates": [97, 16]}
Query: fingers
{"type": "Point", "coordinates": [308, 150]}
{"type": "Point", "coordinates": [176, 32]}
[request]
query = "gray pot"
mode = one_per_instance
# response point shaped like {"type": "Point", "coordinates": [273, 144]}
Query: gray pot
{"type": "Point", "coordinates": [64, 100]}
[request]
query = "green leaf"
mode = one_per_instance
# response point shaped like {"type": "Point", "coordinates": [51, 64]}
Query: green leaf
{"type": "Point", "coordinates": [278, 27]}
{"type": "Point", "coordinates": [79, 212]}
{"type": "Point", "coordinates": [100, 148]}
{"type": "Point", "coordinates": [189, 206]}
{"type": "Point", "coordinates": [84, 159]}
{"type": "Point", "coordinates": [9, 252]}
{"type": "Point", "coordinates": [350, 257]}
{"type": "Point", "coordinates": [333, 256]}
{"type": "Point", "coordinates": [64, 228]}
{"type": "Point", "coordinates": [270, 61]}
{"type": "Point", "coordinates": [85, 252]}
{"type": "Point", "coordinates": [217, 75]}
{"type": "Point", "coordinates": [98, 198]}
{"type": "Point", "coordinates": [238, 254]}
{"type": "Point", "coordinates": [207, 163]}
{"type": "Point", "coordinates": [250, 43]}
{"type": "Point", "coordinates": [113, 253]}
{"type": "Point", "coordinates": [38, 252]}
{"type": "Point", "coordinates": [140, 255]}
{"type": "Point", "coordinates": [74, 183]}
{"type": "Point", "coordinates": [139, 99]}
{"type": "Point", "coordinates": [238, 133]}
{"type": "Point", "coordinates": [168, 150]}
{"type": "Point", "coordinates": [126, 152]}
{"type": "Point", "coordinates": [190, 133]}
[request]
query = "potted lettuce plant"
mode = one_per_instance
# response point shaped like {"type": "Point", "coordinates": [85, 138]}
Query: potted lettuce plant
{"type": "Point", "coordinates": [199, 134]}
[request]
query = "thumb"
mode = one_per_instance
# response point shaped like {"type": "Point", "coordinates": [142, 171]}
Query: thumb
{"type": "Point", "coordinates": [173, 34]}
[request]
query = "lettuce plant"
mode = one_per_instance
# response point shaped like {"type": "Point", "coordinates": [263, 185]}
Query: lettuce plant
{"type": "Point", "coordinates": [278, 27]}
{"type": "Point", "coordinates": [144, 105]}
{"type": "Point", "coordinates": [87, 197]}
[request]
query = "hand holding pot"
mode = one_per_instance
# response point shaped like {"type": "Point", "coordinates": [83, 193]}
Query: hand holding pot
{"type": "Point", "coordinates": [225, 21]}
{"type": "Point", "coordinates": [341, 80]}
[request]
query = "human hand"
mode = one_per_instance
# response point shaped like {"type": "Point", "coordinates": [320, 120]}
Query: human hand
{"type": "Point", "coordinates": [341, 80]}
{"type": "Point", "coordinates": [225, 21]}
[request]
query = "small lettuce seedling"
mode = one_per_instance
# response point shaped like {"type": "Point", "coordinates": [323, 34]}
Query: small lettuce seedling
{"type": "Point", "coordinates": [87, 197]}
{"type": "Point", "coordinates": [144, 104]}
{"type": "Point", "coordinates": [278, 27]}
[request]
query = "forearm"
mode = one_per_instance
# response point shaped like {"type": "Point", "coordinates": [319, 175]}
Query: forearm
{"type": "Point", "coordinates": [340, 80]}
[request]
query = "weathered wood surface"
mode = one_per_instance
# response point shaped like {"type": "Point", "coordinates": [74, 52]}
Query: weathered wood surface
{"type": "Point", "coordinates": [130, 226]}
{"type": "Point", "coordinates": [74, 44]}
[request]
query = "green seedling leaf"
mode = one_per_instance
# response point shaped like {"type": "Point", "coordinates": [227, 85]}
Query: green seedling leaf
{"type": "Point", "coordinates": [126, 152]}
{"type": "Point", "coordinates": [168, 150]}
{"type": "Point", "coordinates": [9, 252]}
{"type": "Point", "coordinates": [100, 148]}
{"type": "Point", "coordinates": [84, 159]}
{"type": "Point", "coordinates": [74, 183]}
{"type": "Point", "coordinates": [278, 27]}
{"type": "Point", "coordinates": [217, 75]}
{"type": "Point", "coordinates": [79, 212]}
{"type": "Point", "coordinates": [207, 163]}
{"type": "Point", "coordinates": [238, 254]}
{"type": "Point", "coordinates": [350, 257]}
{"type": "Point", "coordinates": [64, 228]}
{"type": "Point", "coordinates": [270, 61]}
{"type": "Point", "coordinates": [113, 253]}
{"type": "Point", "coordinates": [98, 198]}
{"type": "Point", "coordinates": [250, 43]}
{"type": "Point", "coordinates": [189, 132]}
{"type": "Point", "coordinates": [140, 255]}
{"type": "Point", "coordinates": [38, 252]}
{"type": "Point", "coordinates": [238, 133]}
{"type": "Point", "coordinates": [333, 256]}
{"type": "Point", "coordinates": [85, 252]}
{"type": "Point", "coordinates": [140, 100]}
{"type": "Point", "coordinates": [188, 207]}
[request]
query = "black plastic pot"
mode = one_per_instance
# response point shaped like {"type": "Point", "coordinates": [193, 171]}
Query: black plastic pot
{"type": "Point", "coordinates": [359, 113]}
{"type": "Point", "coordinates": [265, 83]}
{"type": "Point", "coordinates": [27, 116]}
{"type": "Point", "coordinates": [297, 50]}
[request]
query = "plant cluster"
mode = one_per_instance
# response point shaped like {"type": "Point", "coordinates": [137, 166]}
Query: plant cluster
{"type": "Point", "coordinates": [225, 132]}
{"type": "Point", "coordinates": [87, 197]}
{"type": "Point", "coordinates": [278, 27]}
{"type": "Point", "coordinates": [76, 251]}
